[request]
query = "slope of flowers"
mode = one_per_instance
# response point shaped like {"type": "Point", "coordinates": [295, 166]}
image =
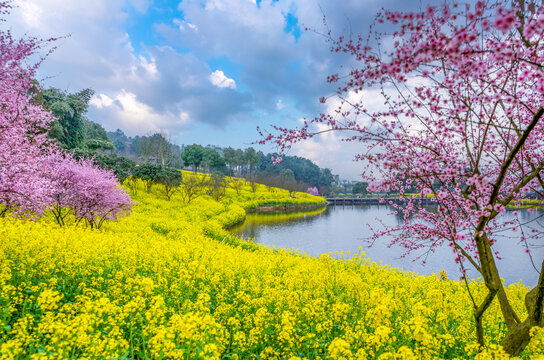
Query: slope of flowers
{"type": "Point", "coordinates": [169, 283]}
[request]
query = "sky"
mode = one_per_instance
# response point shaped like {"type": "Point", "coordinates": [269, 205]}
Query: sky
{"type": "Point", "coordinates": [201, 71]}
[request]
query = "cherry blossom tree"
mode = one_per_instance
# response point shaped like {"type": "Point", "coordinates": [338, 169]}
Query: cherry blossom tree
{"type": "Point", "coordinates": [35, 175]}
{"type": "Point", "coordinates": [81, 189]}
{"type": "Point", "coordinates": [312, 191]}
{"type": "Point", "coordinates": [462, 88]}
{"type": "Point", "coordinates": [24, 190]}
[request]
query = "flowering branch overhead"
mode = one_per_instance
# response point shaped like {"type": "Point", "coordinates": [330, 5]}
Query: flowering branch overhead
{"type": "Point", "coordinates": [460, 123]}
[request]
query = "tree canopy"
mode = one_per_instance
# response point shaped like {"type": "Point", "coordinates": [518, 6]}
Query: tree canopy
{"type": "Point", "coordinates": [360, 188]}
{"type": "Point", "coordinates": [69, 111]}
{"type": "Point", "coordinates": [193, 155]}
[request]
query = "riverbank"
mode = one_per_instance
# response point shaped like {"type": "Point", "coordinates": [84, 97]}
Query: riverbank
{"type": "Point", "coordinates": [285, 208]}
{"type": "Point", "coordinates": [170, 282]}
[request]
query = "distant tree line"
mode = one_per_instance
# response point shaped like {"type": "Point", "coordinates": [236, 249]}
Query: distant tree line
{"type": "Point", "coordinates": [293, 173]}
{"type": "Point", "coordinates": [119, 152]}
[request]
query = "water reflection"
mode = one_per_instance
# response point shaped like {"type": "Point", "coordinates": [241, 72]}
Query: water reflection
{"type": "Point", "coordinates": [257, 221]}
{"type": "Point", "coordinates": [345, 228]}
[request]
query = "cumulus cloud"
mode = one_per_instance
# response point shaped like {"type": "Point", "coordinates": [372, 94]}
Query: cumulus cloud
{"type": "Point", "coordinates": [134, 117]}
{"type": "Point", "coordinates": [159, 78]}
{"type": "Point", "coordinates": [101, 101]}
{"type": "Point", "coordinates": [219, 79]}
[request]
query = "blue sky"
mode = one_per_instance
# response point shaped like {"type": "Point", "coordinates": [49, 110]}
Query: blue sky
{"type": "Point", "coordinates": [201, 71]}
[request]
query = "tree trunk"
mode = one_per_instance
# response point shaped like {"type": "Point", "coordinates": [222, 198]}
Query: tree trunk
{"type": "Point", "coordinates": [518, 337]}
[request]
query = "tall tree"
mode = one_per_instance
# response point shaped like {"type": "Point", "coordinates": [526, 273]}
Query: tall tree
{"type": "Point", "coordinates": [230, 157]}
{"type": "Point", "coordinates": [251, 158]}
{"type": "Point", "coordinates": [462, 122]}
{"type": "Point", "coordinates": [69, 111]}
{"type": "Point", "coordinates": [156, 146]}
{"type": "Point", "coordinates": [24, 187]}
{"type": "Point", "coordinates": [239, 160]}
{"type": "Point", "coordinates": [170, 179]}
{"type": "Point", "coordinates": [193, 155]}
{"type": "Point", "coordinates": [213, 159]}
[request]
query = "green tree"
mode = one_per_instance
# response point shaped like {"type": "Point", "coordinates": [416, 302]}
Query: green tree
{"type": "Point", "coordinates": [193, 155]}
{"type": "Point", "coordinates": [360, 188]}
{"type": "Point", "coordinates": [170, 179]}
{"type": "Point", "coordinates": [287, 175]}
{"type": "Point", "coordinates": [95, 137]}
{"type": "Point", "coordinates": [230, 157]}
{"type": "Point", "coordinates": [326, 178]}
{"type": "Point", "coordinates": [92, 130]}
{"type": "Point", "coordinates": [122, 167]}
{"type": "Point", "coordinates": [97, 144]}
{"type": "Point", "coordinates": [119, 139]}
{"type": "Point", "coordinates": [148, 173]}
{"type": "Point", "coordinates": [239, 160]}
{"type": "Point", "coordinates": [156, 146]}
{"type": "Point", "coordinates": [69, 109]}
{"type": "Point", "coordinates": [251, 158]}
{"type": "Point", "coordinates": [213, 159]}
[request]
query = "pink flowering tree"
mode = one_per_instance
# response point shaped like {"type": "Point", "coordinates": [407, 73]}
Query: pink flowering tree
{"type": "Point", "coordinates": [24, 191]}
{"type": "Point", "coordinates": [34, 173]}
{"type": "Point", "coordinates": [313, 191]}
{"type": "Point", "coordinates": [86, 192]}
{"type": "Point", "coordinates": [462, 88]}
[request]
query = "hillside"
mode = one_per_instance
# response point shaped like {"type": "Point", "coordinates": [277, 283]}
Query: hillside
{"type": "Point", "coordinates": [169, 281]}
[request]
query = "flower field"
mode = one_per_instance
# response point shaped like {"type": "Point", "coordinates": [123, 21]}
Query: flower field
{"type": "Point", "coordinates": [168, 282]}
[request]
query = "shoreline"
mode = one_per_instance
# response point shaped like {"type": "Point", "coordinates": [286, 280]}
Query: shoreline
{"type": "Point", "coordinates": [267, 209]}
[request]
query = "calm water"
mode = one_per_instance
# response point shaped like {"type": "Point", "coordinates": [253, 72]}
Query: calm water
{"type": "Point", "coordinates": [345, 228]}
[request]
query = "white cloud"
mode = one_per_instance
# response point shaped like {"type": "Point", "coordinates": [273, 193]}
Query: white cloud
{"type": "Point", "coordinates": [136, 118]}
{"type": "Point", "coordinates": [149, 65]}
{"type": "Point", "coordinates": [280, 105]}
{"type": "Point", "coordinates": [101, 101]}
{"type": "Point", "coordinates": [219, 79]}
{"type": "Point", "coordinates": [31, 13]}
{"type": "Point", "coordinates": [327, 149]}
{"type": "Point", "coordinates": [182, 25]}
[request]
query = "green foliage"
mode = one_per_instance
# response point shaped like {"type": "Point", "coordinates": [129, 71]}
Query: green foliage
{"type": "Point", "coordinates": [230, 157]}
{"type": "Point", "coordinates": [170, 179]}
{"type": "Point", "coordinates": [69, 109]}
{"type": "Point", "coordinates": [303, 169]}
{"type": "Point", "coordinates": [155, 147]}
{"type": "Point", "coordinates": [122, 166]}
{"type": "Point", "coordinates": [193, 155]}
{"type": "Point", "coordinates": [148, 173]}
{"type": "Point", "coordinates": [97, 144]}
{"type": "Point", "coordinates": [213, 159]}
{"type": "Point", "coordinates": [93, 130]}
{"type": "Point", "coordinates": [119, 140]}
{"type": "Point", "coordinates": [287, 174]}
{"type": "Point", "coordinates": [360, 188]}
{"type": "Point", "coordinates": [56, 131]}
{"type": "Point", "coordinates": [251, 158]}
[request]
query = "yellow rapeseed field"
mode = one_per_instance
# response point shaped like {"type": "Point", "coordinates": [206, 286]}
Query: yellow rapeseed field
{"type": "Point", "coordinates": [169, 282]}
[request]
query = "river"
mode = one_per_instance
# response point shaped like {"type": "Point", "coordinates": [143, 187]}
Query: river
{"type": "Point", "coordinates": [345, 228]}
